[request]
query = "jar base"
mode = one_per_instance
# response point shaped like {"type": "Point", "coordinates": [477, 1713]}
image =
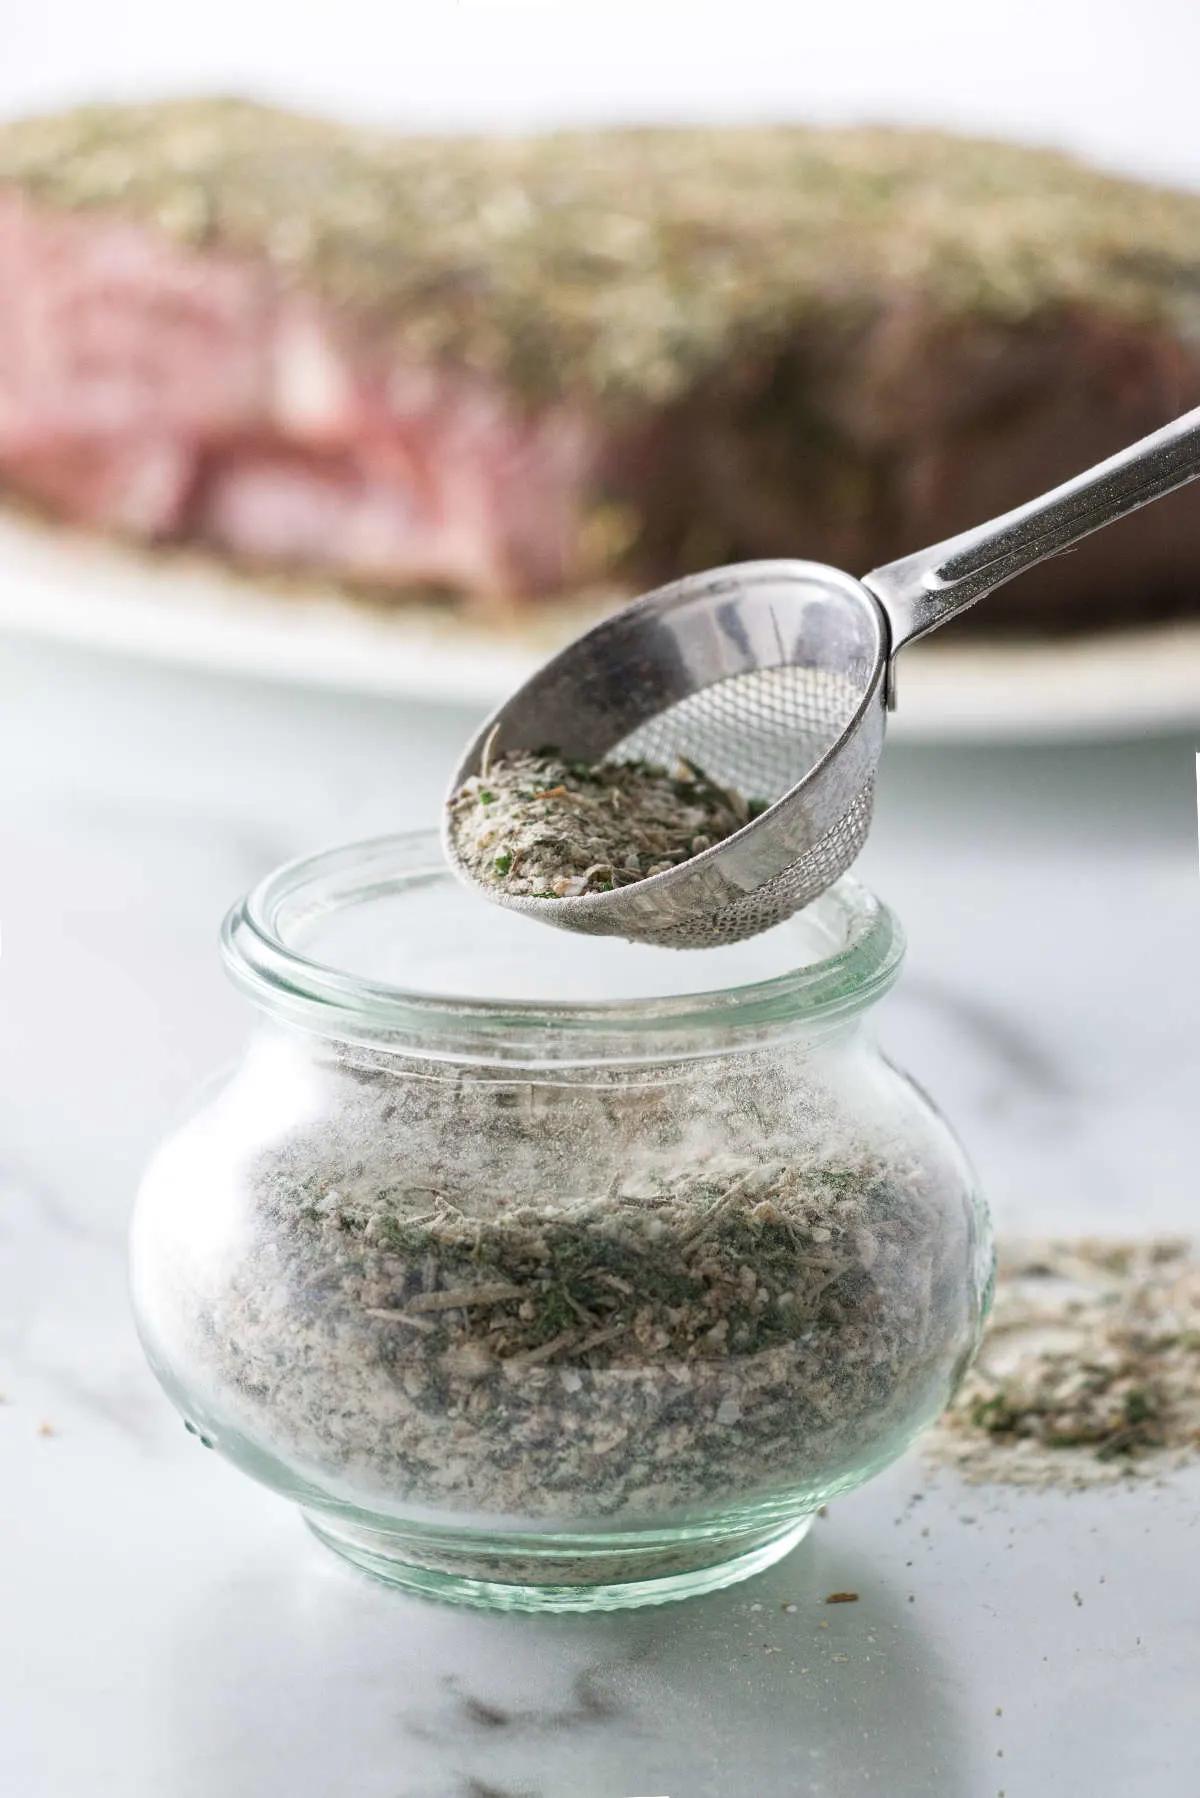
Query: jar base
{"type": "Point", "coordinates": [557, 1573]}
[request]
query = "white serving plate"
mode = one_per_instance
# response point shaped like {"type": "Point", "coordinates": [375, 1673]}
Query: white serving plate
{"type": "Point", "coordinates": [188, 612]}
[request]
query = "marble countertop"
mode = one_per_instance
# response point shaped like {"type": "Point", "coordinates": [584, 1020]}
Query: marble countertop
{"type": "Point", "coordinates": [167, 1628]}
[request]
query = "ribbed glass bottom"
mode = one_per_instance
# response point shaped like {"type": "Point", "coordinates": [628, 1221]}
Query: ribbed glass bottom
{"type": "Point", "coordinates": [557, 1573]}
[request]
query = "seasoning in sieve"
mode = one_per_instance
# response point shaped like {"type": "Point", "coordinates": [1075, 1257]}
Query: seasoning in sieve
{"type": "Point", "coordinates": [549, 828]}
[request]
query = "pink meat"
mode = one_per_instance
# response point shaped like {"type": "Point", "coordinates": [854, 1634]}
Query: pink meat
{"type": "Point", "coordinates": [179, 397]}
{"type": "Point", "coordinates": [196, 397]}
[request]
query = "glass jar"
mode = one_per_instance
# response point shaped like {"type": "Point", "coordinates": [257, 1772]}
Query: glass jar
{"type": "Point", "coordinates": [538, 1299]}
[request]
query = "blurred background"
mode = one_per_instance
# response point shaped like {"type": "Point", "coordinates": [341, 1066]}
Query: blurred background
{"type": "Point", "coordinates": [1106, 78]}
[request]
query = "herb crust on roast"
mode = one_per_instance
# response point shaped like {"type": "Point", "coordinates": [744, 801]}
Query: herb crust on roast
{"type": "Point", "coordinates": [517, 367]}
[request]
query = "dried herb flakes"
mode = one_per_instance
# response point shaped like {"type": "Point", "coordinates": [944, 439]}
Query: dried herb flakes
{"type": "Point", "coordinates": [1090, 1367]}
{"type": "Point", "coordinates": [552, 829]}
{"type": "Point", "coordinates": [645, 1343]}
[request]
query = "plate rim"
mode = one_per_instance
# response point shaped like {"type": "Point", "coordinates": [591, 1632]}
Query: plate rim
{"type": "Point", "coordinates": [186, 611]}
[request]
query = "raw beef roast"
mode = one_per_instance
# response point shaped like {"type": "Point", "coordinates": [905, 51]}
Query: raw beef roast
{"type": "Point", "coordinates": [507, 369]}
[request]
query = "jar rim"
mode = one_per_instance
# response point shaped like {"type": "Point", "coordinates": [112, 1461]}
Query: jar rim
{"type": "Point", "coordinates": [268, 967]}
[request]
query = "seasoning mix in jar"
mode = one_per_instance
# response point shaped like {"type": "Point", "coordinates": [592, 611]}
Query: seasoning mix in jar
{"type": "Point", "coordinates": [546, 1278]}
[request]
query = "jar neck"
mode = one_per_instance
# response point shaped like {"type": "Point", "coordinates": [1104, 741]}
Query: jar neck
{"type": "Point", "coordinates": [285, 945]}
{"type": "Point", "coordinates": [653, 1059]}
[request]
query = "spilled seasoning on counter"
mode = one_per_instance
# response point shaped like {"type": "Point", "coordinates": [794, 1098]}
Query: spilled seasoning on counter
{"type": "Point", "coordinates": [1089, 1371]}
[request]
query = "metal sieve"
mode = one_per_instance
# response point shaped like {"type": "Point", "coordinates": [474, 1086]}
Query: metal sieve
{"type": "Point", "coordinates": [776, 678]}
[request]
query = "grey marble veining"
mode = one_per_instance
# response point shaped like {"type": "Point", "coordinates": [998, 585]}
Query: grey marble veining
{"type": "Point", "coordinates": [166, 1628]}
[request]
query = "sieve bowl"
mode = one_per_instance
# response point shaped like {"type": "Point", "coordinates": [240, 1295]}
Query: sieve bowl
{"type": "Point", "coordinates": [770, 677]}
{"type": "Point", "coordinates": [775, 678]}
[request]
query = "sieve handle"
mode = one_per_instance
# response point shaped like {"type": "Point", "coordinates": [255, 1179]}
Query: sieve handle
{"type": "Point", "coordinates": [921, 591]}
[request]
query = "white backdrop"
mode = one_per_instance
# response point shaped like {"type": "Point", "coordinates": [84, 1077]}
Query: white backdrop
{"type": "Point", "coordinates": [1114, 79]}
